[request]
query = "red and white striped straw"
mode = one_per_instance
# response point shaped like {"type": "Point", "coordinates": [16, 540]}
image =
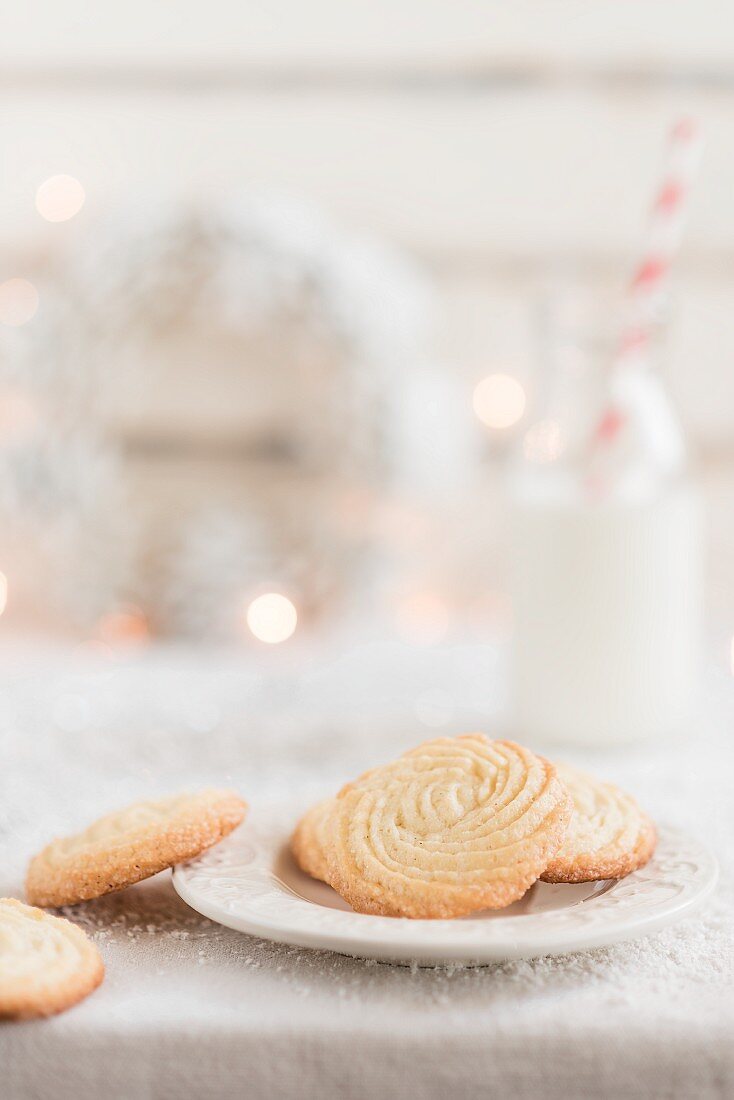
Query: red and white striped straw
{"type": "Point", "coordinates": [649, 284]}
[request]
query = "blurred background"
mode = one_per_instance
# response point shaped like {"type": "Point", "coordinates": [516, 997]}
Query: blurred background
{"type": "Point", "coordinates": [281, 287]}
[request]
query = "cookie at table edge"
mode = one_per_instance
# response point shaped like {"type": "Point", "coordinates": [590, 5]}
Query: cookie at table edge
{"type": "Point", "coordinates": [25, 997]}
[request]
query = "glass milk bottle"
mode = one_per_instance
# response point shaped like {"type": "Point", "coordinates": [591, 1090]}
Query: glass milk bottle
{"type": "Point", "coordinates": [606, 570]}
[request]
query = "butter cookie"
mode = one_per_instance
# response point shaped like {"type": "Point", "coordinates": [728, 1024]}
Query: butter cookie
{"type": "Point", "coordinates": [131, 844]}
{"type": "Point", "coordinates": [608, 837]}
{"type": "Point", "coordinates": [456, 825]}
{"type": "Point", "coordinates": [47, 964]}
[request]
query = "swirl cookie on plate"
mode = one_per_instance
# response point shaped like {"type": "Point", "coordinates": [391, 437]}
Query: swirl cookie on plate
{"type": "Point", "coordinates": [131, 844]}
{"type": "Point", "coordinates": [608, 837]}
{"type": "Point", "coordinates": [454, 826]}
{"type": "Point", "coordinates": [47, 964]}
{"type": "Point", "coordinates": [311, 840]}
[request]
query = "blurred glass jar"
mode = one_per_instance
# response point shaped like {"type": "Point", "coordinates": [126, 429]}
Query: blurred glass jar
{"type": "Point", "coordinates": [606, 557]}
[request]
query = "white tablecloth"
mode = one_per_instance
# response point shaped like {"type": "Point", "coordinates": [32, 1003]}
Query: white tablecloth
{"type": "Point", "coordinates": [191, 1009]}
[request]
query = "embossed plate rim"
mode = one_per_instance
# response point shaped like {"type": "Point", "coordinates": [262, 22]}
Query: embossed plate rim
{"type": "Point", "coordinates": [235, 884]}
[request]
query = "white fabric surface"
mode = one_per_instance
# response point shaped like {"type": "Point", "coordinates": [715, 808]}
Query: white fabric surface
{"type": "Point", "coordinates": [191, 1009]}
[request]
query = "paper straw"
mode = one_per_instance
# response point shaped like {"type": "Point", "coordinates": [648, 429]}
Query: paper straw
{"type": "Point", "coordinates": [649, 285]}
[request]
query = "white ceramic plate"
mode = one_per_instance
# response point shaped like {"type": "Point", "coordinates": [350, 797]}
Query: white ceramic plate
{"type": "Point", "coordinates": [250, 882]}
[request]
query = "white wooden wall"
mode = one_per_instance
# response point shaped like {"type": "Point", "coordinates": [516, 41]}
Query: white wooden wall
{"type": "Point", "coordinates": [493, 140]}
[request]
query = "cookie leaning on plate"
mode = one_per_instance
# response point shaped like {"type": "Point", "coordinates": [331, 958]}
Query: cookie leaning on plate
{"type": "Point", "coordinates": [131, 844]}
{"type": "Point", "coordinates": [453, 826]}
{"type": "Point", "coordinates": [47, 964]}
{"type": "Point", "coordinates": [609, 836]}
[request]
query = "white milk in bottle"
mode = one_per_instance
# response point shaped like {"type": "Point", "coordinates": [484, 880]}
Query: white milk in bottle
{"type": "Point", "coordinates": [606, 581]}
